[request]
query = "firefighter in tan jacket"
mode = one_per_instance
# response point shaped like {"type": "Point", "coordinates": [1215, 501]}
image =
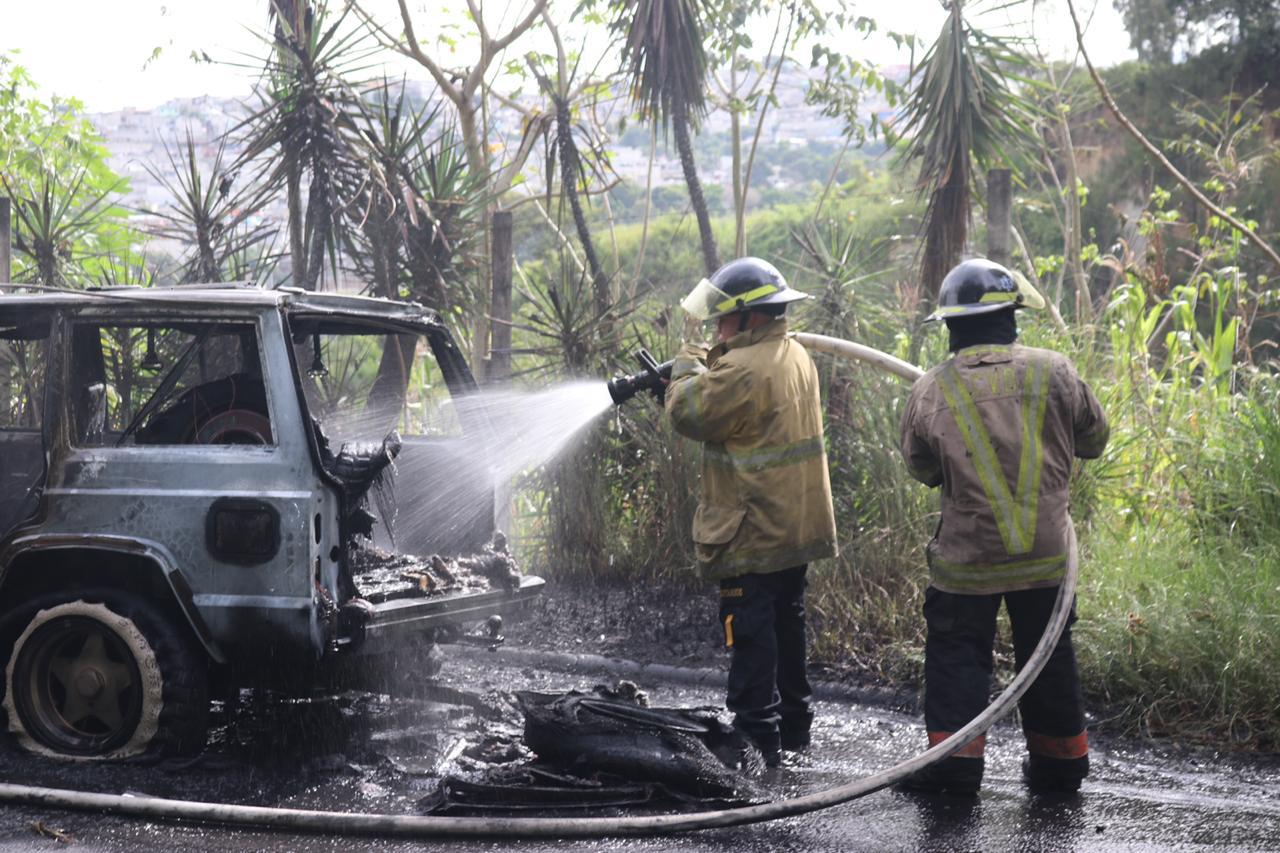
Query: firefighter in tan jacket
{"type": "Point", "coordinates": [766, 512]}
{"type": "Point", "coordinates": [998, 426]}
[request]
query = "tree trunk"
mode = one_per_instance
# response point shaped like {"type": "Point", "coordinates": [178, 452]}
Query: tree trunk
{"type": "Point", "coordinates": [320, 218]}
{"type": "Point", "coordinates": [293, 197]}
{"type": "Point", "coordinates": [999, 206]}
{"type": "Point", "coordinates": [648, 207]}
{"type": "Point", "coordinates": [500, 305]}
{"type": "Point", "coordinates": [6, 239]}
{"type": "Point", "coordinates": [478, 162]}
{"type": "Point", "coordinates": [570, 168]}
{"type": "Point", "coordinates": [735, 135]}
{"type": "Point", "coordinates": [710, 256]}
{"type": "Point", "coordinates": [1073, 238]}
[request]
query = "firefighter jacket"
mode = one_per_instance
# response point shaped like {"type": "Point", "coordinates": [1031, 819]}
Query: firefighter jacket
{"type": "Point", "coordinates": [998, 427]}
{"type": "Point", "coordinates": [766, 495]}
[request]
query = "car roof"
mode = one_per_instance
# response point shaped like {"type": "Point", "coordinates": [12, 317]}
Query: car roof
{"type": "Point", "coordinates": [219, 296]}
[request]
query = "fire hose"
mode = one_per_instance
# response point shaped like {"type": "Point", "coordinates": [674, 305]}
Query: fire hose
{"type": "Point", "coordinates": [420, 827]}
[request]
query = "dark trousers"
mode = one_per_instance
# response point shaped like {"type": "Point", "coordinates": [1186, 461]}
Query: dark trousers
{"type": "Point", "coordinates": [763, 620]}
{"type": "Point", "coordinates": [958, 663]}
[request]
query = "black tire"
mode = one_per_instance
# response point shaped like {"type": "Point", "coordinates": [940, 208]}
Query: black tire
{"type": "Point", "coordinates": [103, 675]}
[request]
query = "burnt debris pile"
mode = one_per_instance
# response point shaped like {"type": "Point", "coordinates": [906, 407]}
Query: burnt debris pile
{"type": "Point", "coordinates": [605, 750]}
{"type": "Point", "coordinates": [382, 575]}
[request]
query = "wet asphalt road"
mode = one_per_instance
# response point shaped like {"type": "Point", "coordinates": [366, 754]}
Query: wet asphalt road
{"type": "Point", "coordinates": [364, 752]}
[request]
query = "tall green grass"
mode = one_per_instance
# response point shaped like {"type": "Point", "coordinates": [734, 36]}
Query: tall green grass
{"type": "Point", "coordinates": [1179, 634]}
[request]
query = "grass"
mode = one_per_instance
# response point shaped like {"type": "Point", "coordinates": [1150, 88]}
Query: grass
{"type": "Point", "coordinates": [1179, 634]}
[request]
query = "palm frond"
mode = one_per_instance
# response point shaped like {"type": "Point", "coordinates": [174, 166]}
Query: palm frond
{"type": "Point", "coordinates": [964, 114]}
{"type": "Point", "coordinates": [665, 57]}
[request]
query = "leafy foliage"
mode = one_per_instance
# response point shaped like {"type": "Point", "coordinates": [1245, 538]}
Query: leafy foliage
{"type": "Point", "coordinates": [53, 165]}
{"type": "Point", "coordinates": [1161, 29]}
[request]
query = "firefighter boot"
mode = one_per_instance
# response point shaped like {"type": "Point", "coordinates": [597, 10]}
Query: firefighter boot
{"type": "Point", "coordinates": [1046, 775]}
{"type": "Point", "coordinates": [770, 748]}
{"type": "Point", "coordinates": [959, 776]}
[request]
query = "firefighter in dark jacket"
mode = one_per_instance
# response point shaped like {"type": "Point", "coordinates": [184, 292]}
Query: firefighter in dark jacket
{"type": "Point", "coordinates": [997, 426]}
{"type": "Point", "coordinates": [765, 510]}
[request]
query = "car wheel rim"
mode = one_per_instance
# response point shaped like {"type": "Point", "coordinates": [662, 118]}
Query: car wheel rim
{"type": "Point", "coordinates": [78, 687]}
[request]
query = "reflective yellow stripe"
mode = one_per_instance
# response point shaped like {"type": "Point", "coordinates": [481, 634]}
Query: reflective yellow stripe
{"type": "Point", "coordinates": [1034, 400]}
{"type": "Point", "coordinates": [732, 302]}
{"type": "Point", "coordinates": [769, 559]}
{"type": "Point", "coordinates": [980, 576]}
{"type": "Point", "coordinates": [984, 458]}
{"type": "Point", "coordinates": [1016, 514]}
{"type": "Point", "coordinates": [761, 459]}
{"type": "Point", "coordinates": [999, 296]}
{"type": "Point", "coordinates": [728, 631]}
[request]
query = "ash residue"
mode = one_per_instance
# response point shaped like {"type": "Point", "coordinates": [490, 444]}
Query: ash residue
{"type": "Point", "coordinates": [381, 575]}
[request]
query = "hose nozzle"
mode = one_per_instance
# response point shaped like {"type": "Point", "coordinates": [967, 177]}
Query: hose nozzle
{"type": "Point", "coordinates": [652, 377]}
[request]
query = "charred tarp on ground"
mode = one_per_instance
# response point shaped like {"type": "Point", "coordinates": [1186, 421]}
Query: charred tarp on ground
{"type": "Point", "coordinates": [607, 749]}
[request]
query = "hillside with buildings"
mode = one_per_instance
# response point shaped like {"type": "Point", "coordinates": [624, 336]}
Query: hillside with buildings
{"type": "Point", "coordinates": [798, 144]}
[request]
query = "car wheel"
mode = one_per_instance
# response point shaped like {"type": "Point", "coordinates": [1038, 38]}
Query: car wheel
{"type": "Point", "coordinates": [105, 676]}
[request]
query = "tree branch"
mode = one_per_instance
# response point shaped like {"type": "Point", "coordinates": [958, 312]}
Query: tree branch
{"type": "Point", "coordinates": [477, 15]}
{"type": "Point", "coordinates": [500, 44]}
{"type": "Point", "coordinates": [409, 47]}
{"type": "Point", "coordinates": [1155, 152]}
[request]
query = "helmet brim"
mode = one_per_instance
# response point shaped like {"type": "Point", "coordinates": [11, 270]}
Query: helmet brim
{"type": "Point", "coordinates": [708, 302]}
{"type": "Point", "coordinates": [953, 311]}
{"type": "Point", "coordinates": [1026, 296]}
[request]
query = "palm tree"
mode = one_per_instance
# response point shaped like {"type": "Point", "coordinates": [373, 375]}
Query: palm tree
{"type": "Point", "coordinates": [666, 64]}
{"type": "Point", "coordinates": [304, 130]}
{"type": "Point", "coordinates": [962, 117]}
{"type": "Point", "coordinates": [208, 213]}
{"type": "Point", "coordinates": [561, 131]}
{"type": "Point", "coordinates": [419, 231]}
{"type": "Point", "coordinates": [60, 220]}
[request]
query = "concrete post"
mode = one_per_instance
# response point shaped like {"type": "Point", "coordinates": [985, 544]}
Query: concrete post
{"type": "Point", "coordinates": [6, 240]}
{"type": "Point", "coordinates": [501, 260]}
{"type": "Point", "coordinates": [999, 212]}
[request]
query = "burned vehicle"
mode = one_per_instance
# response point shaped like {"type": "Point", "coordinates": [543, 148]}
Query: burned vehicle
{"type": "Point", "coordinates": [211, 486]}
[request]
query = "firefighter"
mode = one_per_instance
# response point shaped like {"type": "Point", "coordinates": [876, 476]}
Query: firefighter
{"type": "Point", "coordinates": [765, 511]}
{"type": "Point", "coordinates": [997, 427]}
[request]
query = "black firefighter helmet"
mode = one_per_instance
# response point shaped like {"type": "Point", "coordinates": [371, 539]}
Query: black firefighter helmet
{"type": "Point", "coordinates": [740, 285]}
{"type": "Point", "coordinates": [979, 286]}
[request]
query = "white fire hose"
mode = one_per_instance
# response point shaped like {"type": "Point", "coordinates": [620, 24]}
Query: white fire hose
{"type": "Point", "coordinates": [419, 826]}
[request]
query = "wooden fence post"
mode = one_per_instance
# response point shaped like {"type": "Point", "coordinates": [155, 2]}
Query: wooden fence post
{"type": "Point", "coordinates": [6, 240]}
{"type": "Point", "coordinates": [499, 367]}
{"type": "Point", "coordinates": [999, 211]}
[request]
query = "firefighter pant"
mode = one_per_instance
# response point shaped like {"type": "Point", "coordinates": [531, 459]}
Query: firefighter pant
{"type": "Point", "coordinates": [958, 663]}
{"type": "Point", "coordinates": [763, 620]}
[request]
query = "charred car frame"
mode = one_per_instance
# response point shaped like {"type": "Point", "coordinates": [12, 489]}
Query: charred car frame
{"type": "Point", "coordinates": [189, 475]}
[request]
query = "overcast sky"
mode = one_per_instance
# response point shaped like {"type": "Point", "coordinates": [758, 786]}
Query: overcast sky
{"type": "Point", "coordinates": [101, 51]}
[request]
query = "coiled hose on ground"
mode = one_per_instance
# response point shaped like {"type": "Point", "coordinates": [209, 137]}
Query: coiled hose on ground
{"type": "Point", "coordinates": [417, 826]}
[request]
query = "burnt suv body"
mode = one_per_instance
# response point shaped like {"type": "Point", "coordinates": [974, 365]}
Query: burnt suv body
{"type": "Point", "coordinates": [188, 477]}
